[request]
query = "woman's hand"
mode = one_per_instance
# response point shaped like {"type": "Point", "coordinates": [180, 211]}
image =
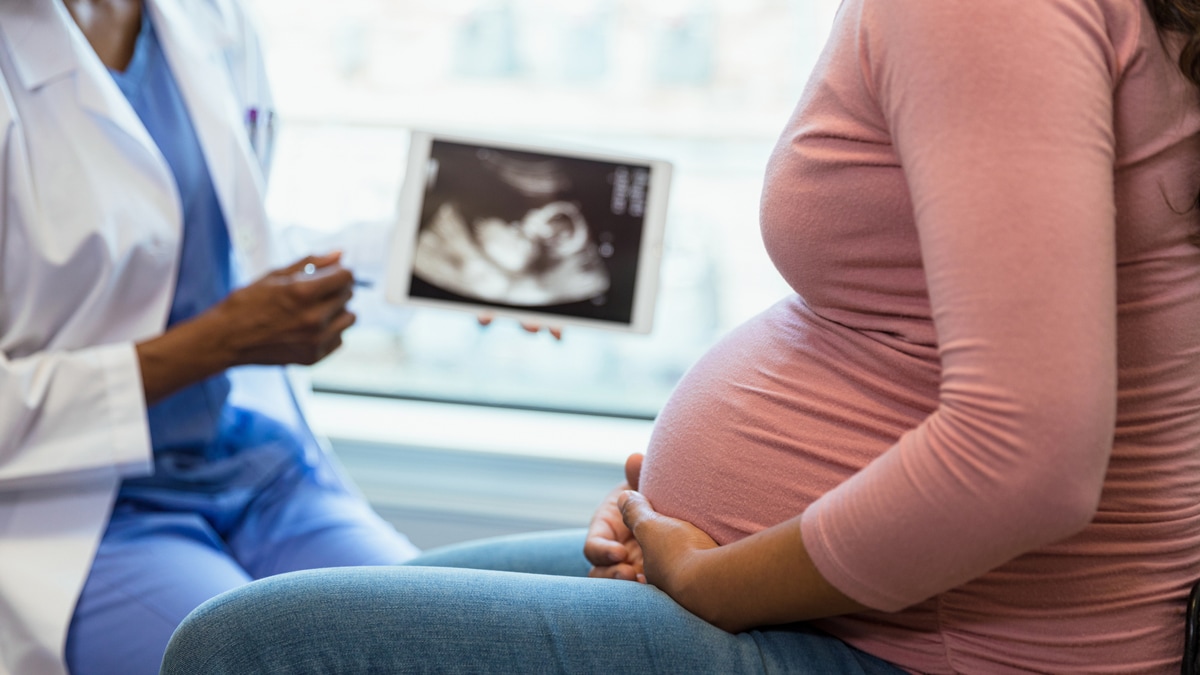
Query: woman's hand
{"type": "Point", "coordinates": [610, 546]}
{"type": "Point", "coordinates": [292, 315]}
{"type": "Point", "coordinates": [673, 550]}
{"type": "Point", "coordinates": [764, 579]}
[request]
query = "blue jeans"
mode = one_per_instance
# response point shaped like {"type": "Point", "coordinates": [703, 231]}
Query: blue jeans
{"type": "Point", "coordinates": [438, 619]}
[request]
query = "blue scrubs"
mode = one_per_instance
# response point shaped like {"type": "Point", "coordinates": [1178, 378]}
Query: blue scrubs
{"type": "Point", "coordinates": [233, 497]}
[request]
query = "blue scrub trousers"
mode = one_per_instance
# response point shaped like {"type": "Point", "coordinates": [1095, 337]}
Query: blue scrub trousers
{"type": "Point", "coordinates": [413, 619]}
{"type": "Point", "coordinates": [248, 508]}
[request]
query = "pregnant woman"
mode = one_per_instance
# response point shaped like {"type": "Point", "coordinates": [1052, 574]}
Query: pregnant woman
{"type": "Point", "coordinates": [967, 443]}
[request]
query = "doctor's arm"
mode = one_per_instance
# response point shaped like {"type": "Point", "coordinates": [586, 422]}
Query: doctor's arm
{"type": "Point", "coordinates": [286, 317]}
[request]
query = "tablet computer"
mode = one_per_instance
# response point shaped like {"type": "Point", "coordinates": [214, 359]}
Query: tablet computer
{"type": "Point", "coordinates": [546, 234]}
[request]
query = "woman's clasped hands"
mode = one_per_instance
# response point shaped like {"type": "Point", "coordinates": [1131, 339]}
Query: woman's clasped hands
{"type": "Point", "coordinates": [629, 540]}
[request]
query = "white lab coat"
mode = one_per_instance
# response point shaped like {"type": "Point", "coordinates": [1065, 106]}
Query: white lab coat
{"type": "Point", "coordinates": [90, 231]}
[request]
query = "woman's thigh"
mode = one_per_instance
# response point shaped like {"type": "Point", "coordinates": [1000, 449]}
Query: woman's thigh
{"type": "Point", "coordinates": [409, 619]}
{"type": "Point", "coordinates": [557, 552]}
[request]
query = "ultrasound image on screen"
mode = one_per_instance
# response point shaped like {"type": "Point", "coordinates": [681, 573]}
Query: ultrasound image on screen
{"type": "Point", "coordinates": [530, 231]}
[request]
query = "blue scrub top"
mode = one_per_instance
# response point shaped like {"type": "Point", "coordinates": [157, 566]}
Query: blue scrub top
{"type": "Point", "coordinates": [191, 418]}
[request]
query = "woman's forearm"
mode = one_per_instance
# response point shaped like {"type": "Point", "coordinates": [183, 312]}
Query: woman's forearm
{"type": "Point", "coordinates": [765, 579]}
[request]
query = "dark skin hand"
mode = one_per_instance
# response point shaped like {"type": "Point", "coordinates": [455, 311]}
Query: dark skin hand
{"type": "Point", "coordinates": [764, 579]}
{"type": "Point", "coordinates": [610, 546]}
{"type": "Point", "coordinates": [285, 317]}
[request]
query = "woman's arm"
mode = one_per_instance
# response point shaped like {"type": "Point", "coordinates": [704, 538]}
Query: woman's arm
{"type": "Point", "coordinates": [1001, 117]}
{"type": "Point", "coordinates": [765, 579]}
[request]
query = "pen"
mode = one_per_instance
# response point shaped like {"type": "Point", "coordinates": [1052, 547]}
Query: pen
{"type": "Point", "coordinates": [252, 128]}
{"type": "Point", "coordinates": [260, 126]}
{"type": "Point", "coordinates": [311, 269]}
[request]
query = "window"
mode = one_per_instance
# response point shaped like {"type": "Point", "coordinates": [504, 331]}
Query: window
{"type": "Point", "coordinates": [705, 84]}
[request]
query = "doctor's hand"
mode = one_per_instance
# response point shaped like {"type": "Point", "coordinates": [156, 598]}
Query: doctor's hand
{"type": "Point", "coordinates": [292, 315]}
{"type": "Point", "coordinates": [556, 332]}
{"type": "Point", "coordinates": [610, 545]}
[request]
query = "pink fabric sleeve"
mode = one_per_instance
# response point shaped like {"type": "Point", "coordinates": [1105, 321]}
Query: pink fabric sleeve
{"type": "Point", "coordinates": [1001, 115]}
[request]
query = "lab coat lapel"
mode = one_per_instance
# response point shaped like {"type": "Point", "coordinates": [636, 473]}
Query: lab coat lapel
{"type": "Point", "coordinates": [203, 79]}
{"type": "Point", "coordinates": [46, 45]}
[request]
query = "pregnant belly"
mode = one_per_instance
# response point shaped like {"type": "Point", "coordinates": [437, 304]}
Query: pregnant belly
{"type": "Point", "coordinates": [783, 409]}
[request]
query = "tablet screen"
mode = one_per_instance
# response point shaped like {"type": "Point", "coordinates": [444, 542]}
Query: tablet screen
{"type": "Point", "coordinates": [541, 233]}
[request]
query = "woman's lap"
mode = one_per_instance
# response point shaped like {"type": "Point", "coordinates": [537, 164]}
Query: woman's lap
{"type": "Point", "coordinates": [558, 552]}
{"type": "Point", "coordinates": [427, 619]}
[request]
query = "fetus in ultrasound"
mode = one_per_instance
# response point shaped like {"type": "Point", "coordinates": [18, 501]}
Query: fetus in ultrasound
{"type": "Point", "coordinates": [505, 230]}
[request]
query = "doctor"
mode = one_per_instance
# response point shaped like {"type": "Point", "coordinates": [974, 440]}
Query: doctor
{"type": "Point", "coordinates": [152, 451]}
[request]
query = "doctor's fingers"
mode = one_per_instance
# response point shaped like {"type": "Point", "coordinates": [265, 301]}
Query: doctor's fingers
{"type": "Point", "coordinates": [308, 338]}
{"type": "Point", "coordinates": [309, 264]}
{"type": "Point", "coordinates": [319, 317]}
{"type": "Point", "coordinates": [321, 344]}
{"type": "Point", "coordinates": [337, 324]}
{"type": "Point", "coordinates": [333, 334]}
{"type": "Point", "coordinates": [322, 284]}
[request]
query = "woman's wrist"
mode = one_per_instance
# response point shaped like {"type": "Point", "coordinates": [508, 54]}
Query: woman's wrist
{"type": "Point", "coordinates": [765, 579]}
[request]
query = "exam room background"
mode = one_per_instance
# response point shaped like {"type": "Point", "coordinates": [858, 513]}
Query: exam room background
{"type": "Point", "coordinates": [449, 428]}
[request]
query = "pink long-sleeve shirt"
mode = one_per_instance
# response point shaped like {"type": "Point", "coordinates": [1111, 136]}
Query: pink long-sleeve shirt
{"type": "Point", "coordinates": [984, 397]}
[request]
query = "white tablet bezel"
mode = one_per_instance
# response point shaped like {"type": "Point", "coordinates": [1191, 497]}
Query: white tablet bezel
{"type": "Point", "coordinates": [401, 256]}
